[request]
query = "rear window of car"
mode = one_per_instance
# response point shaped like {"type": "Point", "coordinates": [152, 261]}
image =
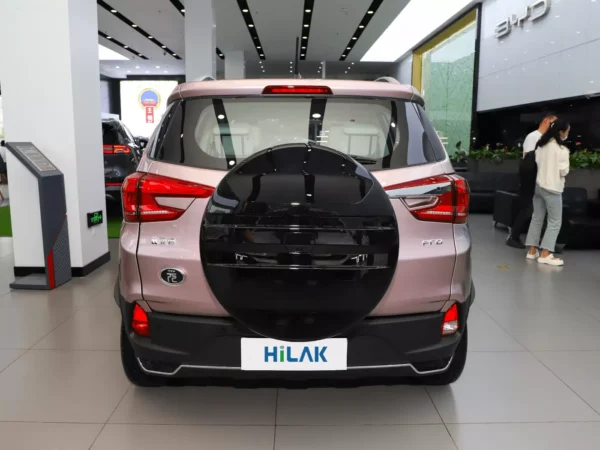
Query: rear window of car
{"type": "Point", "coordinates": [112, 134]}
{"type": "Point", "coordinates": [218, 133]}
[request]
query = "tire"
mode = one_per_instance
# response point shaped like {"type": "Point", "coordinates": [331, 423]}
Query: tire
{"type": "Point", "coordinates": [456, 367]}
{"type": "Point", "coordinates": [132, 369]}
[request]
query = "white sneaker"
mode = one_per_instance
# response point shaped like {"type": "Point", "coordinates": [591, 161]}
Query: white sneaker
{"type": "Point", "coordinates": [530, 256]}
{"type": "Point", "coordinates": [551, 260]}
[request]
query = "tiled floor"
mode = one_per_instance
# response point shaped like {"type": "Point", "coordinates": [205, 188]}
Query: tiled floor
{"type": "Point", "coordinates": [532, 379]}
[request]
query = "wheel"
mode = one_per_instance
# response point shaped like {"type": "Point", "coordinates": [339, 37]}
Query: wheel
{"type": "Point", "coordinates": [132, 369]}
{"type": "Point", "coordinates": [456, 367]}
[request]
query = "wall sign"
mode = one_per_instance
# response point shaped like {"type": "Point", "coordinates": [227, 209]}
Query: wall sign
{"type": "Point", "coordinates": [533, 12]}
{"type": "Point", "coordinates": [94, 218]}
{"type": "Point", "coordinates": [149, 99]}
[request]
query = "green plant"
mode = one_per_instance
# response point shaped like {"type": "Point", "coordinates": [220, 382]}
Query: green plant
{"type": "Point", "coordinates": [585, 159]}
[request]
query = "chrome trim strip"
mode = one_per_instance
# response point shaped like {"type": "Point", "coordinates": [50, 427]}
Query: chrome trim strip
{"type": "Point", "coordinates": [389, 366]}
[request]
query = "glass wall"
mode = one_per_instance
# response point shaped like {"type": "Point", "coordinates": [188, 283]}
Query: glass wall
{"type": "Point", "coordinates": [445, 76]}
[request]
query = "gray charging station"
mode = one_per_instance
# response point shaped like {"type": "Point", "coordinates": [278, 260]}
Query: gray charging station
{"type": "Point", "coordinates": [53, 213]}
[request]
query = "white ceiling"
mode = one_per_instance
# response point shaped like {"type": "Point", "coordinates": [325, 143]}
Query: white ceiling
{"type": "Point", "coordinates": [278, 23]}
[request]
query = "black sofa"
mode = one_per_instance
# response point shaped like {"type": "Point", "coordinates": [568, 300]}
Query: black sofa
{"type": "Point", "coordinates": [580, 223]}
{"type": "Point", "coordinates": [484, 185]}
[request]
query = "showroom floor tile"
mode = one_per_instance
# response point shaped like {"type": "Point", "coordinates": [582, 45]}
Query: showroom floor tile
{"type": "Point", "coordinates": [530, 381]}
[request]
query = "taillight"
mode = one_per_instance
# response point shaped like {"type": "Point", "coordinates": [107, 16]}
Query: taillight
{"type": "Point", "coordinates": [139, 321]}
{"type": "Point", "coordinates": [441, 198]}
{"type": "Point", "coordinates": [450, 323]}
{"type": "Point", "coordinates": [140, 191]}
{"type": "Point", "coordinates": [298, 90]}
{"type": "Point", "coordinates": [112, 149]}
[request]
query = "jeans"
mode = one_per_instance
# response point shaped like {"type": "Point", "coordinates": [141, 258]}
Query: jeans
{"type": "Point", "coordinates": [550, 202]}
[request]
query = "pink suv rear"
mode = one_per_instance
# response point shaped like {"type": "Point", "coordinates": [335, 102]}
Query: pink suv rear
{"type": "Point", "coordinates": [294, 229]}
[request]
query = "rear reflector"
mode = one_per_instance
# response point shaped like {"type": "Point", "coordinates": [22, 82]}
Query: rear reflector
{"type": "Point", "coordinates": [113, 184]}
{"type": "Point", "coordinates": [139, 322]}
{"type": "Point", "coordinates": [441, 198]}
{"type": "Point", "coordinates": [450, 324]}
{"type": "Point", "coordinates": [140, 191]}
{"type": "Point", "coordinates": [112, 149]}
{"type": "Point", "coordinates": [298, 90]}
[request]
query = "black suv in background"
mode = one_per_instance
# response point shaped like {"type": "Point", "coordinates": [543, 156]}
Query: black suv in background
{"type": "Point", "coordinates": [122, 152]}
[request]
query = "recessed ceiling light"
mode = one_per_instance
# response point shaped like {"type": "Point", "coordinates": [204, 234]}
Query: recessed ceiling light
{"type": "Point", "coordinates": [139, 54]}
{"type": "Point", "coordinates": [361, 26]}
{"type": "Point", "coordinates": [303, 48]}
{"type": "Point", "coordinates": [306, 25]}
{"type": "Point", "coordinates": [113, 11]}
{"type": "Point", "coordinates": [166, 71]}
{"type": "Point", "coordinates": [307, 10]}
{"type": "Point", "coordinates": [137, 67]}
{"type": "Point", "coordinates": [291, 71]}
{"type": "Point", "coordinates": [221, 55]}
{"type": "Point", "coordinates": [163, 46]}
{"type": "Point", "coordinates": [263, 71]}
{"type": "Point", "coordinates": [158, 67]}
{"type": "Point", "coordinates": [117, 67]}
{"type": "Point", "coordinates": [262, 54]}
{"type": "Point", "coordinates": [258, 46]}
{"type": "Point", "coordinates": [220, 117]}
{"type": "Point", "coordinates": [147, 71]}
{"type": "Point", "coordinates": [352, 63]}
{"type": "Point", "coordinates": [183, 10]}
{"type": "Point", "coordinates": [370, 12]}
{"type": "Point", "coordinates": [129, 71]}
{"type": "Point", "coordinates": [302, 54]}
{"type": "Point", "coordinates": [244, 10]}
{"type": "Point", "coordinates": [134, 25]}
{"type": "Point", "coordinates": [149, 37]}
{"type": "Point", "coordinates": [251, 25]}
{"type": "Point", "coordinates": [354, 38]}
{"type": "Point", "coordinates": [174, 54]}
{"type": "Point", "coordinates": [304, 37]}
{"type": "Point", "coordinates": [108, 37]}
{"type": "Point", "coordinates": [126, 46]}
{"type": "Point", "coordinates": [348, 48]}
{"type": "Point", "coordinates": [349, 68]}
{"type": "Point", "coordinates": [316, 116]}
{"type": "Point", "coordinates": [343, 56]}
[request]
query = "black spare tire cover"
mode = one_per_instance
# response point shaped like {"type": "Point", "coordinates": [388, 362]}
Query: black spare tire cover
{"type": "Point", "coordinates": [299, 242]}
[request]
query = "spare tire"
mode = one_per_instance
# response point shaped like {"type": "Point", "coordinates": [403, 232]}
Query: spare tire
{"type": "Point", "coordinates": [299, 242]}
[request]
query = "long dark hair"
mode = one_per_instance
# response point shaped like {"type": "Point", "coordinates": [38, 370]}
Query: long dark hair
{"type": "Point", "coordinates": [553, 132]}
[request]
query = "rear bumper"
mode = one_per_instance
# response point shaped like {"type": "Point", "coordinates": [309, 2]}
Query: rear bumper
{"type": "Point", "coordinates": [191, 346]}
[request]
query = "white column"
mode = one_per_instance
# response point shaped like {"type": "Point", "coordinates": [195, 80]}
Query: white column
{"type": "Point", "coordinates": [200, 40]}
{"type": "Point", "coordinates": [51, 97]}
{"type": "Point", "coordinates": [235, 65]}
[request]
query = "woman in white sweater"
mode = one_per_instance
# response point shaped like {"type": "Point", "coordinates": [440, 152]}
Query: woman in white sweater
{"type": "Point", "coordinates": [553, 166]}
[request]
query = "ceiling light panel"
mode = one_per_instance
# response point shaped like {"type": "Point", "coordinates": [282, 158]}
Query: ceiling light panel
{"type": "Point", "coordinates": [246, 13]}
{"type": "Point", "coordinates": [418, 20]}
{"type": "Point", "coordinates": [120, 44]}
{"type": "Point", "coordinates": [361, 27]}
{"type": "Point", "coordinates": [306, 26]}
{"type": "Point", "coordinates": [220, 54]}
{"type": "Point", "coordinates": [137, 28]}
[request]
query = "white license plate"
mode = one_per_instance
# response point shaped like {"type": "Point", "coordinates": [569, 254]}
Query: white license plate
{"type": "Point", "coordinates": [274, 355]}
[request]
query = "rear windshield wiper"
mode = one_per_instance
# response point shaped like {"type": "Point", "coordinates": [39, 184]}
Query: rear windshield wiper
{"type": "Point", "coordinates": [363, 159]}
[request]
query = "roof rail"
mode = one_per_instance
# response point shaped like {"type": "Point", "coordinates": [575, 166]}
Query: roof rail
{"type": "Point", "coordinates": [388, 80]}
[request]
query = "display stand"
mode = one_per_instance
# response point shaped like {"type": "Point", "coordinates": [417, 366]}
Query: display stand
{"type": "Point", "coordinates": [53, 212]}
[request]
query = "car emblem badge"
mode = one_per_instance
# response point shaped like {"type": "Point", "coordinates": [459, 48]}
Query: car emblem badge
{"type": "Point", "coordinates": [163, 240]}
{"type": "Point", "coordinates": [172, 276]}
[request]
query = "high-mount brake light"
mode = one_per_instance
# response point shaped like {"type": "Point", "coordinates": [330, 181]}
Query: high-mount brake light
{"type": "Point", "coordinates": [141, 190]}
{"type": "Point", "coordinates": [298, 90]}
